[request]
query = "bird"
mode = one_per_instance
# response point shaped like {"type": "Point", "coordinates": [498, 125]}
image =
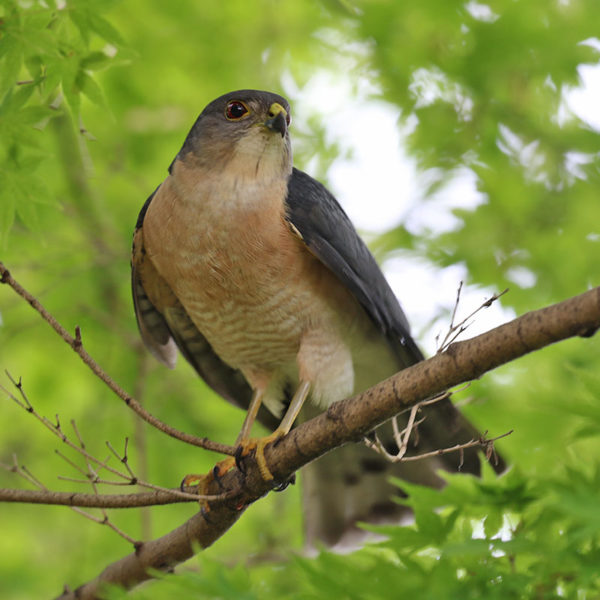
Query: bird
{"type": "Point", "coordinates": [251, 269]}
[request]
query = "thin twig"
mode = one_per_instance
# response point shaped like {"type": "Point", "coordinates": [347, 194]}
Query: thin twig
{"type": "Point", "coordinates": [49, 497]}
{"type": "Point", "coordinates": [43, 495]}
{"type": "Point", "coordinates": [437, 398]}
{"type": "Point", "coordinates": [94, 482]}
{"type": "Point", "coordinates": [55, 429]}
{"type": "Point", "coordinates": [454, 330]}
{"type": "Point", "coordinates": [76, 430]}
{"type": "Point", "coordinates": [23, 472]}
{"type": "Point", "coordinates": [95, 479]}
{"type": "Point", "coordinates": [140, 434]}
{"type": "Point", "coordinates": [105, 520]}
{"type": "Point", "coordinates": [482, 442]}
{"type": "Point", "coordinates": [123, 459]}
{"type": "Point", "coordinates": [71, 463]}
{"type": "Point", "coordinates": [69, 498]}
{"type": "Point", "coordinates": [402, 437]}
{"type": "Point", "coordinates": [77, 345]}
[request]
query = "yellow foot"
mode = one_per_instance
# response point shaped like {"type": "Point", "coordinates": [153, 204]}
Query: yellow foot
{"type": "Point", "coordinates": [200, 483]}
{"type": "Point", "coordinates": [259, 444]}
{"type": "Point", "coordinates": [222, 467]}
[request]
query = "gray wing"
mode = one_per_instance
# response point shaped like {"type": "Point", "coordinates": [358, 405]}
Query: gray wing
{"type": "Point", "coordinates": [329, 234]}
{"type": "Point", "coordinates": [331, 237]}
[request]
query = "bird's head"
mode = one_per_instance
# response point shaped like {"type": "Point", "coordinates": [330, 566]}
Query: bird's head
{"type": "Point", "coordinates": [245, 132]}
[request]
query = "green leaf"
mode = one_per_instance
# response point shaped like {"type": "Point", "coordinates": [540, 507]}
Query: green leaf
{"type": "Point", "coordinates": [7, 211]}
{"type": "Point", "coordinates": [81, 19]}
{"type": "Point", "coordinates": [90, 88]}
{"type": "Point", "coordinates": [492, 523]}
{"type": "Point", "coordinates": [11, 59]}
{"type": "Point", "coordinates": [105, 30]}
{"type": "Point", "coordinates": [95, 61]}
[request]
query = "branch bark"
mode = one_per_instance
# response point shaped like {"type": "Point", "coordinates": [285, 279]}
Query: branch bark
{"type": "Point", "coordinates": [348, 421]}
{"type": "Point", "coordinates": [90, 500]}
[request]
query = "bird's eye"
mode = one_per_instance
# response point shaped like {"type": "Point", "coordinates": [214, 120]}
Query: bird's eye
{"type": "Point", "coordinates": [288, 119]}
{"type": "Point", "coordinates": [236, 110]}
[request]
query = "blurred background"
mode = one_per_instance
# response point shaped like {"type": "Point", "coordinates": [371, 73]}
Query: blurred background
{"type": "Point", "coordinates": [463, 140]}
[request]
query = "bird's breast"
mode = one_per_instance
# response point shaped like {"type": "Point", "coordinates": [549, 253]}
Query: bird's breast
{"type": "Point", "coordinates": [249, 285]}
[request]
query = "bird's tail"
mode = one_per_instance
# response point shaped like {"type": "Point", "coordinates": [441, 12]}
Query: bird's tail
{"type": "Point", "coordinates": [352, 483]}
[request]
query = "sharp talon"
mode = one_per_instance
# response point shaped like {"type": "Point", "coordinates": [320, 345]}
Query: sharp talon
{"type": "Point", "coordinates": [193, 481]}
{"type": "Point", "coordinates": [217, 476]}
{"type": "Point", "coordinates": [258, 445]}
{"type": "Point", "coordinates": [222, 467]}
{"type": "Point", "coordinates": [282, 485]}
{"type": "Point", "coordinates": [198, 483]}
{"type": "Point", "coordinates": [239, 456]}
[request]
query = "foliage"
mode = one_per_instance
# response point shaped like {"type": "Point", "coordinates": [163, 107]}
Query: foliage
{"type": "Point", "coordinates": [476, 539]}
{"type": "Point", "coordinates": [95, 99]}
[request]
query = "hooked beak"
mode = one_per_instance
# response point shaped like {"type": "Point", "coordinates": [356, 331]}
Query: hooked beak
{"type": "Point", "coordinates": [277, 120]}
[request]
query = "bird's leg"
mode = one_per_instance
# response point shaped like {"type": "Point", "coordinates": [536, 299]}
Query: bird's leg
{"type": "Point", "coordinates": [283, 429]}
{"type": "Point", "coordinates": [246, 444]}
{"type": "Point", "coordinates": [243, 442]}
{"type": "Point", "coordinates": [293, 409]}
{"type": "Point", "coordinates": [250, 416]}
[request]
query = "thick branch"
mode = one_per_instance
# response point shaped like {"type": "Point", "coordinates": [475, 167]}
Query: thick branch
{"type": "Point", "coordinates": [352, 419]}
{"type": "Point", "coordinates": [349, 421]}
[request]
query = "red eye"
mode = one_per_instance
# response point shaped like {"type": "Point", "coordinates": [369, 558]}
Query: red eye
{"type": "Point", "coordinates": [288, 119]}
{"type": "Point", "coordinates": [236, 110]}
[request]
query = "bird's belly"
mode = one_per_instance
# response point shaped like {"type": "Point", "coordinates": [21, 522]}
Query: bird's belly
{"type": "Point", "coordinates": [252, 298]}
{"type": "Point", "coordinates": [257, 324]}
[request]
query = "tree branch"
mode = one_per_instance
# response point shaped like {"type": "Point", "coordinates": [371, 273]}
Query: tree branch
{"type": "Point", "coordinates": [92, 500]}
{"type": "Point", "coordinates": [77, 345]}
{"type": "Point", "coordinates": [349, 421]}
{"type": "Point", "coordinates": [91, 474]}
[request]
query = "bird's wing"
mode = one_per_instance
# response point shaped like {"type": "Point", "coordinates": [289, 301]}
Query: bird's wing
{"type": "Point", "coordinates": [151, 322]}
{"type": "Point", "coordinates": [321, 222]}
{"type": "Point", "coordinates": [165, 326]}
